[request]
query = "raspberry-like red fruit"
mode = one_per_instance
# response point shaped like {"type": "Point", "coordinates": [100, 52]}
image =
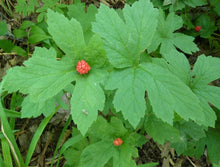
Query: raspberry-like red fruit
{"type": "Point", "coordinates": [118, 142]}
{"type": "Point", "coordinates": [197, 28]}
{"type": "Point", "coordinates": [82, 67]}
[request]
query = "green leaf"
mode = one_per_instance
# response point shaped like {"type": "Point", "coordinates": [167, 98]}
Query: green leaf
{"type": "Point", "coordinates": [101, 129]}
{"type": "Point", "coordinates": [109, 96]}
{"type": "Point", "coordinates": [207, 26]}
{"type": "Point", "coordinates": [94, 52]}
{"type": "Point", "coordinates": [67, 34]}
{"type": "Point", "coordinates": [208, 94]}
{"type": "Point", "coordinates": [37, 35]}
{"type": "Point", "coordinates": [195, 3]}
{"type": "Point", "coordinates": [129, 98]}
{"type": "Point", "coordinates": [167, 2]}
{"type": "Point", "coordinates": [19, 33]}
{"type": "Point", "coordinates": [211, 142]}
{"type": "Point", "coordinates": [26, 7]}
{"type": "Point", "coordinates": [195, 148]}
{"type": "Point", "coordinates": [165, 91]}
{"type": "Point", "coordinates": [168, 40]}
{"type": "Point", "coordinates": [161, 131]}
{"type": "Point", "coordinates": [216, 5]}
{"type": "Point", "coordinates": [6, 45]}
{"type": "Point", "coordinates": [191, 129]}
{"type": "Point", "coordinates": [12, 113]}
{"type": "Point", "coordinates": [87, 98]}
{"type": "Point", "coordinates": [3, 28]}
{"type": "Point", "coordinates": [97, 155]}
{"type": "Point", "coordinates": [19, 51]}
{"type": "Point", "coordinates": [178, 64]}
{"type": "Point", "coordinates": [26, 24]}
{"type": "Point", "coordinates": [75, 144]}
{"type": "Point", "coordinates": [77, 11]}
{"type": "Point", "coordinates": [122, 156]}
{"type": "Point", "coordinates": [125, 38]}
{"type": "Point", "coordinates": [35, 109]}
{"type": "Point", "coordinates": [42, 77]}
{"type": "Point", "coordinates": [190, 133]}
{"type": "Point", "coordinates": [206, 70]}
{"type": "Point", "coordinates": [72, 154]}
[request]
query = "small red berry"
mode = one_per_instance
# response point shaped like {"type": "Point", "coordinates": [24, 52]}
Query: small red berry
{"type": "Point", "coordinates": [197, 28]}
{"type": "Point", "coordinates": [117, 142]}
{"type": "Point", "coordinates": [82, 67]}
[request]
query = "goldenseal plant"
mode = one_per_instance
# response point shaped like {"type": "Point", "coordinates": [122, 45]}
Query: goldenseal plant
{"type": "Point", "coordinates": [161, 95]}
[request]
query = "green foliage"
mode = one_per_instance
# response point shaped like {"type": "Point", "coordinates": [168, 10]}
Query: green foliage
{"type": "Point", "coordinates": [67, 34]}
{"type": "Point", "coordinates": [205, 71]}
{"type": "Point", "coordinates": [8, 46]}
{"type": "Point", "coordinates": [216, 5]}
{"type": "Point", "coordinates": [124, 41]}
{"type": "Point", "coordinates": [46, 107]}
{"type": "Point", "coordinates": [3, 28]}
{"type": "Point", "coordinates": [41, 75]}
{"type": "Point", "coordinates": [161, 131]}
{"type": "Point", "coordinates": [208, 26]}
{"type": "Point", "coordinates": [37, 35]}
{"type": "Point", "coordinates": [180, 4]}
{"type": "Point", "coordinates": [77, 11]}
{"type": "Point", "coordinates": [26, 7]}
{"type": "Point", "coordinates": [102, 135]}
{"type": "Point", "coordinates": [167, 40]}
{"type": "Point", "coordinates": [140, 79]}
{"type": "Point", "coordinates": [52, 4]}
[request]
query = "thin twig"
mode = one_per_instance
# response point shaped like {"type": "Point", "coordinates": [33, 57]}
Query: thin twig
{"type": "Point", "coordinates": [11, 54]}
{"type": "Point", "coordinates": [104, 2]}
{"type": "Point", "coordinates": [194, 165]}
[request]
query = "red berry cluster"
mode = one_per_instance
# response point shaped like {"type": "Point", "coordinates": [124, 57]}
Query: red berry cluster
{"type": "Point", "coordinates": [118, 142]}
{"type": "Point", "coordinates": [82, 67]}
{"type": "Point", "coordinates": [197, 28]}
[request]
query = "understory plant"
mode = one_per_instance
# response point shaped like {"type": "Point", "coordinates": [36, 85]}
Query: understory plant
{"type": "Point", "coordinates": [128, 75]}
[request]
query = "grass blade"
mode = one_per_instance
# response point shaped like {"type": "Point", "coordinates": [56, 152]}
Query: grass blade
{"type": "Point", "coordinates": [7, 132]}
{"type": "Point", "coordinates": [67, 144]}
{"type": "Point", "coordinates": [60, 139]}
{"type": "Point", "coordinates": [1, 161]}
{"type": "Point", "coordinates": [36, 137]}
{"type": "Point", "coordinates": [6, 153]}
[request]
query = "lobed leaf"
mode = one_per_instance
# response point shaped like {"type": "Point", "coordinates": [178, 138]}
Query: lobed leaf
{"type": "Point", "coordinates": [67, 34]}
{"type": "Point", "coordinates": [161, 131]}
{"type": "Point", "coordinates": [42, 77]}
{"type": "Point", "coordinates": [35, 109]}
{"type": "Point", "coordinates": [166, 92]}
{"type": "Point", "coordinates": [168, 40]}
{"type": "Point", "coordinates": [125, 38]}
{"type": "Point", "coordinates": [102, 151]}
{"type": "Point", "coordinates": [87, 98]}
{"type": "Point", "coordinates": [98, 154]}
{"type": "Point", "coordinates": [77, 11]}
{"type": "Point", "coordinates": [205, 70]}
